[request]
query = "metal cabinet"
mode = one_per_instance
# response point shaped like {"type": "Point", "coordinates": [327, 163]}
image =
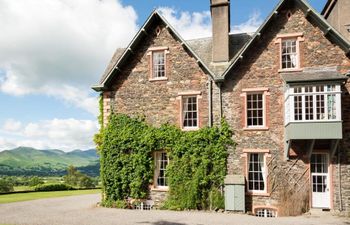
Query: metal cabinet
{"type": "Point", "coordinates": [235, 193]}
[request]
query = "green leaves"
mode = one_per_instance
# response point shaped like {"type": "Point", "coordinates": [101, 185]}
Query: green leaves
{"type": "Point", "coordinates": [197, 161]}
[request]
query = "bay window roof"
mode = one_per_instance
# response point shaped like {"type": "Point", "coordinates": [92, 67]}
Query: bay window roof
{"type": "Point", "coordinates": [312, 76]}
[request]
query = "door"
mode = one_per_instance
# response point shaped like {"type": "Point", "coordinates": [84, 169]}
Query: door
{"type": "Point", "coordinates": [320, 181]}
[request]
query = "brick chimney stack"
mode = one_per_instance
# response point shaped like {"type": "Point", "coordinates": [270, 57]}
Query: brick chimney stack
{"type": "Point", "coordinates": [220, 15]}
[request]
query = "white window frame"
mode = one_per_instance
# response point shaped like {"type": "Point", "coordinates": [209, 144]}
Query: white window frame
{"type": "Point", "coordinates": [265, 212]}
{"type": "Point", "coordinates": [157, 168]}
{"type": "Point", "coordinates": [183, 111]}
{"type": "Point", "coordinates": [265, 93]}
{"type": "Point", "coordinates": [151, 52]}
{"type": "Point", "coordinates": [288, 42]}
{"type": "Point", "coordinates": [156, 66]}
{"type": "Point", "coordinates": [262, 109]}
{"type": "Point", "coordinates": [263, 172]}
{"type": "Point", "coordinates": [298, 37]}
{"type": "Point", "coordinates": [289, 102]}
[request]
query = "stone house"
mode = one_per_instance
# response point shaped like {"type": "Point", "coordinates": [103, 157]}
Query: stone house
{"type": "Point", "coordinates": [284, 91]}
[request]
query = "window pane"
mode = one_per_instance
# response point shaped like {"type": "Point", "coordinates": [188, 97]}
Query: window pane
{"type": "Point", "coordinates": [162, 163]}
{"type": "Point", "coordinates": [158, 64]}
{"type": "Point", "coordinates": [289, 54]}
{"type": "Point", "coordinates": [255, 109]}
{"type": "Point", "coordinates": [256, 179]}
{"type": "Point", "coordinates": [190, 111]}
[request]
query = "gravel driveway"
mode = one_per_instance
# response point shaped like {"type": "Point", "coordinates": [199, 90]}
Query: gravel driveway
{"type": "Point", "coordinates": [82, 210]}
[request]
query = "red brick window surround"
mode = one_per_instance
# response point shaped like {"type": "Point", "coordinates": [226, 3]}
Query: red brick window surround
{"type": "Point", "coordinates": [158, 63]}
{"type": "Point", "coordinates": [289, 56]}
{"type": "Point", "coordinates": [256, 171]}
{"type": "Point", "coordinates": [255, 104]}
{"type": "Point", "coordinates": [189, 110]}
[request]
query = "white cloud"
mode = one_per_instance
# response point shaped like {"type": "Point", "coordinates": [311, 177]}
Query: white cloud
{"type": "Point", "coordinates": [189, 25]}
{"type": "Point", "coordinates": [53, 46]}
{"type": "Point", "coordinates": [12, 125]}
{"type": "Point", "coordinates": [251, 25]}
{"type": "Point", "coordinates": [64, 134]}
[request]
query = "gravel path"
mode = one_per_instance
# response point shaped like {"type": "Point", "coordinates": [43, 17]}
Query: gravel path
{"type": "Point", "coordinates": [82, 210]}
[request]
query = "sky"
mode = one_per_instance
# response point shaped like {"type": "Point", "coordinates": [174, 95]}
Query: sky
{"type": "Point", "coordinates": [53, 51]}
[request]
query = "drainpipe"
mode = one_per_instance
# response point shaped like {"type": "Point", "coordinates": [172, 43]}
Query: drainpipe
{"type": "Point", "coordinates": [210, 99]}
{"type": "Point", "coordinates": [339, 182]}
{"type": "Point", "coordinates": [220, 99]}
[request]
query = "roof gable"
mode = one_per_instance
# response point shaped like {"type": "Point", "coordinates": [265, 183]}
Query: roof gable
{"type": "Point", "coordinates": [120, 59]}
{"type": "Point", "coordinates": [310, 14]}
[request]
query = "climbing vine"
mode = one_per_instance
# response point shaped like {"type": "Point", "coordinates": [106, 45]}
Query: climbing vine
{"type": "Point", "coordinates": [98, 136]}
{"type": "Point", "coordinates": [197, 162]}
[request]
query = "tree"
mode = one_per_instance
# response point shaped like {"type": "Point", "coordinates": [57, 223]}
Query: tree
{"type": "Point", "coordinates": [5, 186]}
{"type": "Point", "coordinates": [72, 177]}
{"type": "Point", "coordinates": [34, 181]}
{"type": "Point", "coordinates": [77, 179]}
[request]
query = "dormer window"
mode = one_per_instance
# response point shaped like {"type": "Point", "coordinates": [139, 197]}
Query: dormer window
{"type": "Point", "coordinates": [158, 63]}
{"type": "Point", "coordinates": [289, 51]}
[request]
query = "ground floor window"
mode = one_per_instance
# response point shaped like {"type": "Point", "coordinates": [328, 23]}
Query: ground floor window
{"type": "Point", "coordinates": [161, 163]}
{"type": "Point", "coordinates": [256, 172]}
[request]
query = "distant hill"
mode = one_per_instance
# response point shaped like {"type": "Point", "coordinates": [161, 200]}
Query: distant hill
{"type": "Point", "coordinates": [30, 161]}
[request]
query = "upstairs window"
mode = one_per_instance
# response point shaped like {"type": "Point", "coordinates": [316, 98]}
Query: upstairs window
{"type": "Point", "coordinates": [289, 54]}
{"type": "Point", "coordinates": [313, 103]}
{"type": "Point", "coordinates": [255, 106]}
{"type": "Point", "coordinates": [289, 51]}
{"type": "Point", "coordinates": [255, 110]}
{"type": "Point", "coordinates": [189, 112]}
{"type": "Point", "coordinates": [158, 63]}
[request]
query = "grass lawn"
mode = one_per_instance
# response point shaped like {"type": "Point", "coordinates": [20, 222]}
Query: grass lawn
{"type": "Point", "coordinates": [38, 195]}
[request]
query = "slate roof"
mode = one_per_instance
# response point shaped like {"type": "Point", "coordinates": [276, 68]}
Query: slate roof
{"type": "Point", "coordinates": [240, 44]}
{"type": "Point", "coordinates": [312, 76]}
{"type": "Point", "coordinates": [310, 13]}
{"type": "Point", "coordinates": [203, 47]}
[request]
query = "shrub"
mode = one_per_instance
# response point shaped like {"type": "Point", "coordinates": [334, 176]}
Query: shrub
{"type": "Point", "coordinates": [5, 186]}
{"type": "Point", "coordinates": [53, 187]}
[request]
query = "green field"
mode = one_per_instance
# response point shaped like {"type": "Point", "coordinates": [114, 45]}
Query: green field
{"type": "Point", "coordinates": [38, 195]}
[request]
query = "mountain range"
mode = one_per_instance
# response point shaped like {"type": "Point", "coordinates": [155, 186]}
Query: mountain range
{"type": "Point", "coordinates": [29, 161]}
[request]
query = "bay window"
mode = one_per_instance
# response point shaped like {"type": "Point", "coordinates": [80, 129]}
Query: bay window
{"type": "Point", "coordinates": [313, 103]}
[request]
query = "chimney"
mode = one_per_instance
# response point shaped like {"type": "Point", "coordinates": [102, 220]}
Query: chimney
{"type": "Point", "coordinates": [220, 15]}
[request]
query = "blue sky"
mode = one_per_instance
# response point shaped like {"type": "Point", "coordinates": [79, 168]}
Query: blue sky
{"type": "Point", "coordinates": [50, 58]}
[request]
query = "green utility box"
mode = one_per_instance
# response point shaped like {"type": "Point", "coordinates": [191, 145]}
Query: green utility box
{"type": "Point", "coordinates": [235, 193]}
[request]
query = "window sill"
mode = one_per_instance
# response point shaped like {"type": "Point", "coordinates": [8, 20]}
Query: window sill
{"type": "Point", "coordinates": [158, 79]}
{"type": "Point", "coordinates": [255, 128]}
{"type": "Point", "coordinates": [190, 128]}
{"type": "Point", "coordinates": [264, 194]}
{"type": "Point", "coordinates": [290, 70]}
{"type": "Point", "coordinates": [160, 189]}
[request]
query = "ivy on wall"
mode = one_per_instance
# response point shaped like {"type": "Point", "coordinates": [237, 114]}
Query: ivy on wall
{"type": "Point", "coordinates": [195, 173]}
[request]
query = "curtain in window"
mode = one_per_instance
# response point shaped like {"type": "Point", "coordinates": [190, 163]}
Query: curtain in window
{"type": "Point", "coordinates": [185, 112]}
{"type": "Point", "coordinates": [262, 168]}
{"type": "Point", "coordinates": [293, 59]}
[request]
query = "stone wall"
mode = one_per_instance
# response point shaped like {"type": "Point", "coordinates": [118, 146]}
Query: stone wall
{"type": "Point", "coordinates": [134, 94]}
{"type": "Point", "coordinates": [159, 101]}
{"type": "Point", "coordinates": [259, 69]}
